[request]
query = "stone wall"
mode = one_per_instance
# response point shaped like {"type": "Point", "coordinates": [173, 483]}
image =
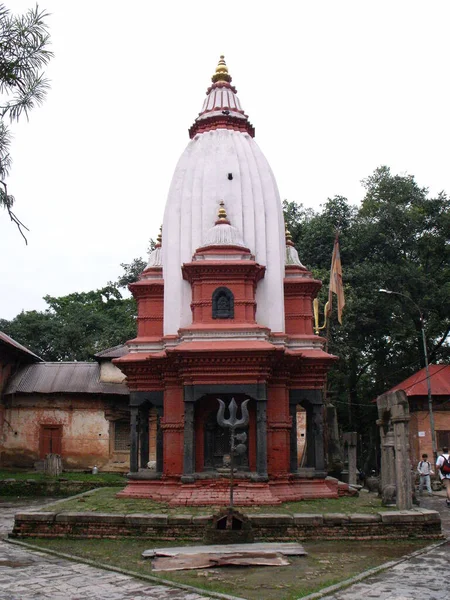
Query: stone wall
{"type": "Point", "coordinates": [418, 523]}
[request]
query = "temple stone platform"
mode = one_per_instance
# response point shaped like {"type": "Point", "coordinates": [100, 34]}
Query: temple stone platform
{"type": "Point", "coordinates": [246, 493]}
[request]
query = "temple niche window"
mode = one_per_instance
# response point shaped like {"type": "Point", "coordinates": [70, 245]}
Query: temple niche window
{"type": "Point", "coordinates": [222, 304]}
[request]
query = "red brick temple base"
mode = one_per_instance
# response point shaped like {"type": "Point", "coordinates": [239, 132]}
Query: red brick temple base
{"type": "Point", "coordinates": [215, 492]}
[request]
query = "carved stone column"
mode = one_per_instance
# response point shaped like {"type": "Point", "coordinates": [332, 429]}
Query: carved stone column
{"type": "Point", "coordinates": [144, 436]}
{"type": "Point", "coordinates": [351, 440]}
{"type": "Point", "coordinates": [189, 437]}
{"type": "Point", "coordinates": [261, 438]}
{"type": "Point", "coordinates": [261, 432]}
{"type": "Point", "coordinates": [134, 459]}
{"type": "Point", "coordinates": [159, 440]}
{"type": "Point", "coordinates": [317, 433]}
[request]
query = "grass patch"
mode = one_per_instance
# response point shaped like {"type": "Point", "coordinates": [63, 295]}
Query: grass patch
{"type": "Point", "coordinates": [327, 563]}
{"type": "Point", "coordinates": [105, 501]}
{"type": "Point", "coordinates": [112, 478]}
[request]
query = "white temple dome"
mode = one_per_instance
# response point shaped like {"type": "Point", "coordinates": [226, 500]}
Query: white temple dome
{"type": "Point", "coordinates": [222, 161]}
{"type": "Point", "coordinates": [223, 233]}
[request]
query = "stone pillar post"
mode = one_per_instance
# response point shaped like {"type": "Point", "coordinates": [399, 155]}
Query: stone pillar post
{"type": "Point", "coordinates": [351, 440]}
{"type": "Point", "coordinates": [261, 431]}
{"type": "Point", "coordinates": [402, 461]}
{"type": "Point", "coordinates": [189, 437]}
{"type": "Point", "coordinates": [293, 460]}
{"type": "Point", "coordinates": [317, 430]}
{"type": "Point", "coordinates": [393, 412]}
{"type": "Point", "coordinates": [144, 436]}
{"type": "Point", "coordinates": [134, 459]}
{"type": "Point", "coordinates": [159, 440]}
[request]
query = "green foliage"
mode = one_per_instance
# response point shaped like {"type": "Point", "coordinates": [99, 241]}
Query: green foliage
{"type": "Point", "coordinates": [398, 239]}
{"type": "Point", "coordinates": [131, 272]}
{"type": "Point", "coordinates": [24, 41]}
{"type": "Point", "coordinates": [77, 326]}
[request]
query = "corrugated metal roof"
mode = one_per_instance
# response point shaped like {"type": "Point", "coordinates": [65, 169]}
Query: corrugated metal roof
{"type": "Point", "coordinates": [10, 342]}
{"type": "Point", "coordinates": [416, 385]}
{"type": "Point", "coordinates": [65, 377]}
{"type": "Point", "coordinates": [114, 352]}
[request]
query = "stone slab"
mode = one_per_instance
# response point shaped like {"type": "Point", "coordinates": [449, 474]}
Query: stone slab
{"type": "Point", "coordinates": [286, 548]}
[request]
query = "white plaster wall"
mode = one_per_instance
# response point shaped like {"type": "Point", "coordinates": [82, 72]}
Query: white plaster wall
{"type": "Point", "coordinates": [253, 206]}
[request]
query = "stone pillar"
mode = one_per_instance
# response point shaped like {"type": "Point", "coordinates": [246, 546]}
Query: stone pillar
{"type": "Point", "coordinates": [351, 441]}
{"type": "Point", "coordinates": [317, 431]}
{"type": "Point", "coordinates": [134, 459]}
{"type": "Point", "coordinates": [293, 460]}
{"type": "Point", "coordinates": [393, 412]}
{"type": "Point", "coordinates": [261, 431]}
{"type": "Point", "coordinates": [189, 437]}
{"type": "Point", "coordinates": [159, 440]}
{"type": "Point", "coordinates": [387, 456]}
{"type": "Point", "coordinates": [144, 436]}
{"type": "Point", "coordinates": [402, 461]}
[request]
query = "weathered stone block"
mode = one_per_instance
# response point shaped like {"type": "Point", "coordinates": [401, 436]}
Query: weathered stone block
{"type": "Point", "coordinates": [36, 516]}
{"type": "Point", "coordinates": [430, 516]}
{"type": "Point", "coordinates": [202, 520]}
{"type": "Point", "coordinates": [271, 520]}
{"type": "Point", "coordinates": [180, 520]}
{"type": "Point", "coordinates": [146, 519]}
{"type": "Point", "coordinates": [362, 518]}
{"type": "Point", "coordinates": [404, 516]}
{"type": "Point", "coordinates": [335, 518]}
{"type": "Point", "coordinates": [305, 519]}
{"type": "Point", "coordinates": [110, 518]}
{"type": "Point", "coordinates": [73, 517]}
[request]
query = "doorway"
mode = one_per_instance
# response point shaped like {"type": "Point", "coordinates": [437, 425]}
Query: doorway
{"type": "Point", "coordinates": [50, 440]}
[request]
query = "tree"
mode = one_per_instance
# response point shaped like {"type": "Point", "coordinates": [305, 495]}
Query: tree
{"type": "Point", "coordinates": [24, 41]}
{"type": "Point", "coordinates": [399, 239]}
{"type": "Point", "coordinates": [77, 326]}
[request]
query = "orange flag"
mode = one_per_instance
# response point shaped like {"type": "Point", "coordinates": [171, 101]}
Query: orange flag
{"type": "Point", "coordinates": [336, 284]}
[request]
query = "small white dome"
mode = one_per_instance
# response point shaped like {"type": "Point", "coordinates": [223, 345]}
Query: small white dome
{"type": "Point", "coordinates": [292, 257]}
{"type": "Point", "coordinates": [223, 235]}
{"type": "Point", "coordinates": [155, 258]}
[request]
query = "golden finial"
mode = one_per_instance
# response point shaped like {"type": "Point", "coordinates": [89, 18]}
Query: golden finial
{"type": "Point", "coordinates": [288, 236]}
{"type": "Point", "coordinates": [221, 73]}
{"type": "Point", "coordinates": [222, 214]}
{"type": "Point", "coordinates": [159, 238]}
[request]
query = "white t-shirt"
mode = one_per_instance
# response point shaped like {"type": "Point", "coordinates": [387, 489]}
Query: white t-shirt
{"type": "Point", "coordinates": [439, 463]}
{"type": "Point", "coordinates": [424, 467]}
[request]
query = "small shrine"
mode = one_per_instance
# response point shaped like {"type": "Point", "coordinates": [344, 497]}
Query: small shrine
{"type": "Point", "coordinates": [225, 311]}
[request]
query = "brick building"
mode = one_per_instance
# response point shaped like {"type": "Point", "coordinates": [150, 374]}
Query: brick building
{"type": "Point", "coordinates": [416, 391]}
{"type": "Point", "coordinates": [76, 409]}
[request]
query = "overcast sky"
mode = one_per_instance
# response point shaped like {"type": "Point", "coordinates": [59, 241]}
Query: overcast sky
{"type": "Point", "coordinates": [333, 88]}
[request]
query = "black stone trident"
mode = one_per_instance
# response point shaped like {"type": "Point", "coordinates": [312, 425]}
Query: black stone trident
{"type": "Point", "coordinates": [233, 423]}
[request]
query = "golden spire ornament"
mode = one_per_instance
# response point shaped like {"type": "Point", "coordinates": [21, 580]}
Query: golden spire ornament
{"type": "Point", "coordinates": [288, 235]}
{"type": "Point", "coordinates": [159, 238]}
{"type": "Point", "coordinates": [222, 214]}
{"type": "Point", "coordinates": [221, 73]}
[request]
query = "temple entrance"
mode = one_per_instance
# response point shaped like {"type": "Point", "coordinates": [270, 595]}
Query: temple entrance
{"type": "Point", "coordinates": [217, 446]}
{"type": "Point", "coordinates": [212, 442]}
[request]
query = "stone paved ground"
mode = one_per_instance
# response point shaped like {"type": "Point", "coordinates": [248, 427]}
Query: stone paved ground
{"type": "Point", "coordinates": [29, 575]}
{"type": "Point", "coordinates": [26, 575]}
{"type": "Point", "coordinates": [419, 578]}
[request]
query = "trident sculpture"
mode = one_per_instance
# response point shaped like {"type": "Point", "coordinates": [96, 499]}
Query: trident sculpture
{"type": "Point", "coordinates": [233, 423]}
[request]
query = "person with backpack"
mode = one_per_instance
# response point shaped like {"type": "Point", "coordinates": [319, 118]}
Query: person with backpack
{"type": "Point", "coordinates": [425, 471]}
{"type": "Point", "coordinates": [443, 464]}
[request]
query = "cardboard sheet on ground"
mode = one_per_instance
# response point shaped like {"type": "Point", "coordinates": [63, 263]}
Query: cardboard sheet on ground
{"type": "Point", "coordinates": [203, 561]}
{"type": "Point", "coordinates": [286, 548]}
{"type": "Point", "coordinates": [220, 555]}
